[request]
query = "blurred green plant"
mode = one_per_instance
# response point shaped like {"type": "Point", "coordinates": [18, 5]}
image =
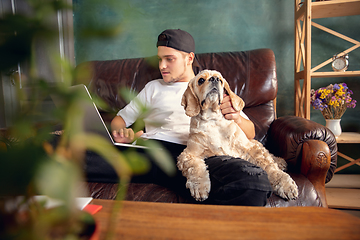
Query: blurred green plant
{"type": "Point", "coordinates": [30, 164]}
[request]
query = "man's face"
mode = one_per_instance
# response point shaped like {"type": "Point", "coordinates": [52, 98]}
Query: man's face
{"type": "Point", "coordinates": [173, 64]}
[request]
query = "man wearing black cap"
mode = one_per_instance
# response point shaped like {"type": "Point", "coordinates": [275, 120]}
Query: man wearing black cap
{"type": "Point", "coordinates": [176, 55]}
{"type": "Point", "coordinates": [233, 181]}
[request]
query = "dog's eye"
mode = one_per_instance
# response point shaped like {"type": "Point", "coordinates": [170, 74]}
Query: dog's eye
{"type": "Point", "coordinates": [201, 81]}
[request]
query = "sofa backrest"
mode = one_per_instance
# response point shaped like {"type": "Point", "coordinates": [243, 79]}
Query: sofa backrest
{"type": "Point", "coordinates": [250, 74]}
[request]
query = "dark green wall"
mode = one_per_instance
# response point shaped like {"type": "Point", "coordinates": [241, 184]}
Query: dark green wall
{"type": "Point", "coordinates": [216, 26]}
{"type": "Point", "coordinates": [227, 25]}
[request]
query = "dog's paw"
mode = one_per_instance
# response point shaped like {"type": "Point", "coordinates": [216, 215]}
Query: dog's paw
{"type": "Point", "coordinates": [287, 188]}
{"type": "Point", "coordinates": [199, 187]}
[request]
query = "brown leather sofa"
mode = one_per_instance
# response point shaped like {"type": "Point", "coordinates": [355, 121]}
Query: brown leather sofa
{"type": "Point", "coordinates": [309, 148]}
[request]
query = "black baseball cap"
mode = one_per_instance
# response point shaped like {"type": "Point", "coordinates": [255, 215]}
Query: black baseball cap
{"type": "Point", "coordinates": [177, 39]}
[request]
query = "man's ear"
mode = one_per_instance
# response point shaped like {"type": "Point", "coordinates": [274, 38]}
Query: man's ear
{"type": "Point", "coordinates": [190, 102]}
{"type": "Point", "coordinates": [191, 57]}
{"type": "Point", "coordinates": [236, 101]}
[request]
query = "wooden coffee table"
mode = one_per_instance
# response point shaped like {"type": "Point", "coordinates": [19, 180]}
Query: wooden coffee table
{"type": "Point", "coordinates": [144, 220]}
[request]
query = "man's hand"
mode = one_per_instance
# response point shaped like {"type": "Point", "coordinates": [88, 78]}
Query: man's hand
{"type": "Point", "coordinates": [228, 111]}
{"type": "Point", "coordinates": [231, 114]}
{"type": "Point", "coordinates": [126, 135]}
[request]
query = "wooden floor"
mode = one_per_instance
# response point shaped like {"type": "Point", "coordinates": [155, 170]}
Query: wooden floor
{"type": "Point", "coordinates": [343, 192]}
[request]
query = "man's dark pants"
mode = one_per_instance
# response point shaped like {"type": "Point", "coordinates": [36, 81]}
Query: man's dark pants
{"type": "Point", "coordinates": [233, 181]}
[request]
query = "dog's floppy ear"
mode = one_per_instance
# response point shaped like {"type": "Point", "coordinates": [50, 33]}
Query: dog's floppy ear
{"type": "Point", "coordinates": [190, 102]}
{"type": "Point", "coordinates": [236, 101]}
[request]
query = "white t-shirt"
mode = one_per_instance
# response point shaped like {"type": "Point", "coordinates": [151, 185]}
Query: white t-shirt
{"type": "Point", "coordinates": [166, 119]}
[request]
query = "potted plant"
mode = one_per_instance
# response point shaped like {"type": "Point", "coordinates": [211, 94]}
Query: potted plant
{"type": "Point", "coordinates": [30, 164]}
{"type": "Point", "coordinates": [333, 101]}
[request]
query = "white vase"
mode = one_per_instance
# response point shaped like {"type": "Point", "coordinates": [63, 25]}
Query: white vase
{"type": "Point", "coordinates": [334, 126]}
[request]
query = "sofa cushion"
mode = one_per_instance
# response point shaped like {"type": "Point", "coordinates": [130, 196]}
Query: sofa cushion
{"type": "Point", "coordinates": [155, 193]}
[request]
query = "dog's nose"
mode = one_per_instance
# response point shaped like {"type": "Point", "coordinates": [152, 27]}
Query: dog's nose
{"type": "Point", "coordinates": [213, 79]}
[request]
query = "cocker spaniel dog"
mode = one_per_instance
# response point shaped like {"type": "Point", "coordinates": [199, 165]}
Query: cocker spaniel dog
{"type": "Point", "coordinates": [213, 135]}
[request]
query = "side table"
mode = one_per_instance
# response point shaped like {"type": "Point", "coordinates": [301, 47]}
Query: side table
{"type": "Point", "coordinates": [348, 137]}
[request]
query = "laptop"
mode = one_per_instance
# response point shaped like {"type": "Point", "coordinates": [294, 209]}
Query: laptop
{"type": "Point", "coordinates": [92, 121]}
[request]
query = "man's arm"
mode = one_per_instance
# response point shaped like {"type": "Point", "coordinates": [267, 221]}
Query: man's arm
{"type": "Point", "coordinates": [229, 113]}
{"type": "Point", "coordinates": [122, 134]}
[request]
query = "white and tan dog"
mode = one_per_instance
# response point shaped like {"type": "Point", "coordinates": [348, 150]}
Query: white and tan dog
{"type": "Point", "coordinates": [213, 135]}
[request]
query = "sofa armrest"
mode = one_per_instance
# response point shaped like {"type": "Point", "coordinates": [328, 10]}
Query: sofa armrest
{"type": "Point", "coordinates": [315, 164]}
{"type": "Point", "coordinates": [287, 137]}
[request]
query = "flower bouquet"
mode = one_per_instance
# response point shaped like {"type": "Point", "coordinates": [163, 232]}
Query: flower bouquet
{"type": "Point", "coordinates": [332, 100]}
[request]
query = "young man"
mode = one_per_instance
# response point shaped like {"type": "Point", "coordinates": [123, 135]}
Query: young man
{"type": "Point", "coordinates": [233, 181]}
